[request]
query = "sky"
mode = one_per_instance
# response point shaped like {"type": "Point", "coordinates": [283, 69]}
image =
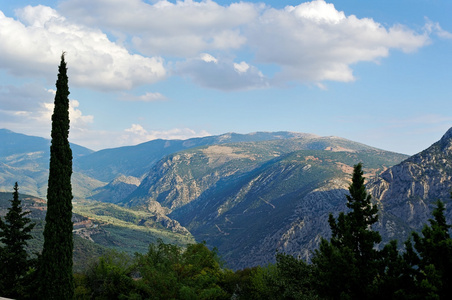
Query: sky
{"type": "Point", "coordinates": [375, 72]}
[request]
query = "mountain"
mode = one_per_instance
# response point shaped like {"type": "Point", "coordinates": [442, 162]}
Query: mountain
{"type": "Point", "coordinates": [249, 199]}
{"type": "Point", "coordinates": [106, 165]}
{"type": "Point", "coordinates": [248, 195]}
{"type": "Point", "coordinates": [408, 190]}
{"type": "Point", "coordinates": [25, 159]}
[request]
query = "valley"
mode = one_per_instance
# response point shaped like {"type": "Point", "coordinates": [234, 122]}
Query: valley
{"type": "Point", "coordinates": [247, 195]}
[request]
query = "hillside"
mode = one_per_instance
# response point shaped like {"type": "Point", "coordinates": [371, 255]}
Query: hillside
{"type": "Point", "coordinates": [247, 195]}
{"type": "Point", "coordinates": [25, 159]}
{"type": "Point", "coordinates": [249, 199]}
{"type": "Point", "coordinates": [101, 226]}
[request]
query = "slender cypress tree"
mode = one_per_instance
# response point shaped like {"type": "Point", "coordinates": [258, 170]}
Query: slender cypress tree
{"type": "Point", "coordinates": [56, 260]}
{"type": "Point", "coordinates": [14, 233]}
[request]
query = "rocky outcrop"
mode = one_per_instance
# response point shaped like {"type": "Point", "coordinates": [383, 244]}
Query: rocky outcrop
{"type": "Point", "coordinates": [409, 189]}
{"type": "Point", "coordinates": [117, 190]}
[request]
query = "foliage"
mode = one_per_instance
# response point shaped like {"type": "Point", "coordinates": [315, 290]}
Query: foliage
{"type": "Point", "coordinates": [430, 258]}
{"type": "Point", "coordinates": [56, 262]}
{"type": "Point", "coordinates": [165, 272]}
{"type": "Point", "coordinates": [347, 265]}
{"type": "Point", "coordinates": [15, 264]}
{"type": "Point", "coordinates": [107, 278]}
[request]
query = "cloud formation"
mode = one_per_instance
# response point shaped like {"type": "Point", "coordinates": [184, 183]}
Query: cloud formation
{"type": "Point", "coordinates": [32, 45]}
{"type": "Point", "coordinates": [313, 42]}
{"type": "Point", "coordinates": [310, 42]}
{"type": "Point", "coordinates": [32, 109]}
{"type": "Point", "coordinates": [137, 134]}
{"type": "Point", "coordinates": [181, 29]}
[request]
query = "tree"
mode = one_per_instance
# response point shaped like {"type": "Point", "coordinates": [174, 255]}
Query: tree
{"type": "Point", "coordinates": [432, 265]}
{"type": "Point", "coordinates": [14, 261]}
{"type": "Point", "coordinates": [347, 265]}
{"type": "Point", "coordinates": [56, 260]}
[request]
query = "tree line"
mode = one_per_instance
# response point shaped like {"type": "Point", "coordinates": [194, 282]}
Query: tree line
{"type": "Point", "coordinates": [349, 265]}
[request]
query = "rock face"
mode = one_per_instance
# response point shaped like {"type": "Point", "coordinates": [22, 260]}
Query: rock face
{"type": "Point", "coordinates": [408, 190]}
{"type": "Point", "coordinates": [116, 190]}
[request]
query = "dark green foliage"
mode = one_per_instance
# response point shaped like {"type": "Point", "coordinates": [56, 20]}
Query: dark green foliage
{"type": "Point", "coordinates": [107, 278]}
{"type": "Point", "coordinates": [347, 265]}
{"type": "Point", "coordinates": [170, 273]}
{"type": "Point", "coordinates": [289, 278]}
{"type": "Point", "coordinates": [294, 278]}
{"type": "Point", "coordinates": [431, 258]}
{"type": "Point", "coordinates": [56, 261]}
{"type": "Point", "coordinates": [14, 262]}
{"type": "Point", "coordinates": [165, 272]}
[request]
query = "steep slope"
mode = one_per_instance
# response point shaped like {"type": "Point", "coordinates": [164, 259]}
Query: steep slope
{"type": "Point", "coordinates": [282, 205]}
{"type": "Point", "coordinates": [409, 189]}
{"type": "Point", "coordinates": [249, 199]}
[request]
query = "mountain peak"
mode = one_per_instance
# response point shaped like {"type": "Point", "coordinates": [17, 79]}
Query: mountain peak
{"type": "Point", "coordinates": [446, 140]}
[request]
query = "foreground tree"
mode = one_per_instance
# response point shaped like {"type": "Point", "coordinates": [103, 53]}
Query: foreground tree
{"type": "Point", "coordinates": [56, 261]}
{"type": "Point", "coordinates": [431, 261]}
{"type": "Point", "coordinates": [347, 265]}
{"type": "Point", "coordinates": [14, 261]}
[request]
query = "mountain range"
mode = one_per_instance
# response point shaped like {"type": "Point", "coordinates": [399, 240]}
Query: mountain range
{"type": "Point", "coordinates": [249, 195]}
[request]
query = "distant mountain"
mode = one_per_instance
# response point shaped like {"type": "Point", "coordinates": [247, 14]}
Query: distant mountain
{"type": "Point", "coordinates": [106, 165]}
{"type": "Point", "coordinates": [17, 143]}
{"type": "Point", "coordinates": [25, 159]}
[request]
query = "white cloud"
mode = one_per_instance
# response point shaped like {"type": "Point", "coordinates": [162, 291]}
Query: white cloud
{"type": "Point", "coordinates": [184, 28]}
{"type": "Point", "coordinates": [32, 45]}
{"type": "Point", "coordinates": [137, 134]}
{"type": "Point", "coordinates": [310, 42]}
{"type": "Point", "coordinates": [434, 27]}
{"type": "Point", "coordinates": [28, 109]}
{"type": "Point", "coordinates": [208, 58]}
{"type": "Point", "coordinates": [314, 42]}
{"type": "Point", "coordinates": [147, 97]}
{"type": "Point", "coordinates": [241, 67]}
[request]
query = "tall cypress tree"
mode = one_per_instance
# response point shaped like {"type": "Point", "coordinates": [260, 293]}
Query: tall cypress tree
{"type": "Point", "coordinates": [56, 260]}
{"type": "Point", "coordinates": [14, 261]}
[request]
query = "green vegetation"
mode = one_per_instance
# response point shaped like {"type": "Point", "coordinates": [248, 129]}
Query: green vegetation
{"type": "Point", "coordinates": [165, 272]}
{"type": "Point", "coordinates": [348, 263]}
{"type": "Point", "coordinates": [14, 261]}
{"type": "Point", "coordinates": [348, 266]}
{"type": "Point", "coordinates": [55, 268]}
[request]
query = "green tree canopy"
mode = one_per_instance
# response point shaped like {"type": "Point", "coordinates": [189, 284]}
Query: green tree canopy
{"type": "Point", "coordinates": [14, 234]}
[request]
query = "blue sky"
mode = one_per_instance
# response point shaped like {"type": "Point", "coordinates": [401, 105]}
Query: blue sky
{"type": "Point", "coordinates": [376, 72]}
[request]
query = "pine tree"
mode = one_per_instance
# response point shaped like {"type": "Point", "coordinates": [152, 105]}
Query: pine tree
{"type": "Point", "coordinates": [347, 265]}
{"type": "Point", "coordinates": [14, 234]}
{"type": "Point", "coordinates": [434, 265]}
{"type": "Point", "coordinates": [56, 260]}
